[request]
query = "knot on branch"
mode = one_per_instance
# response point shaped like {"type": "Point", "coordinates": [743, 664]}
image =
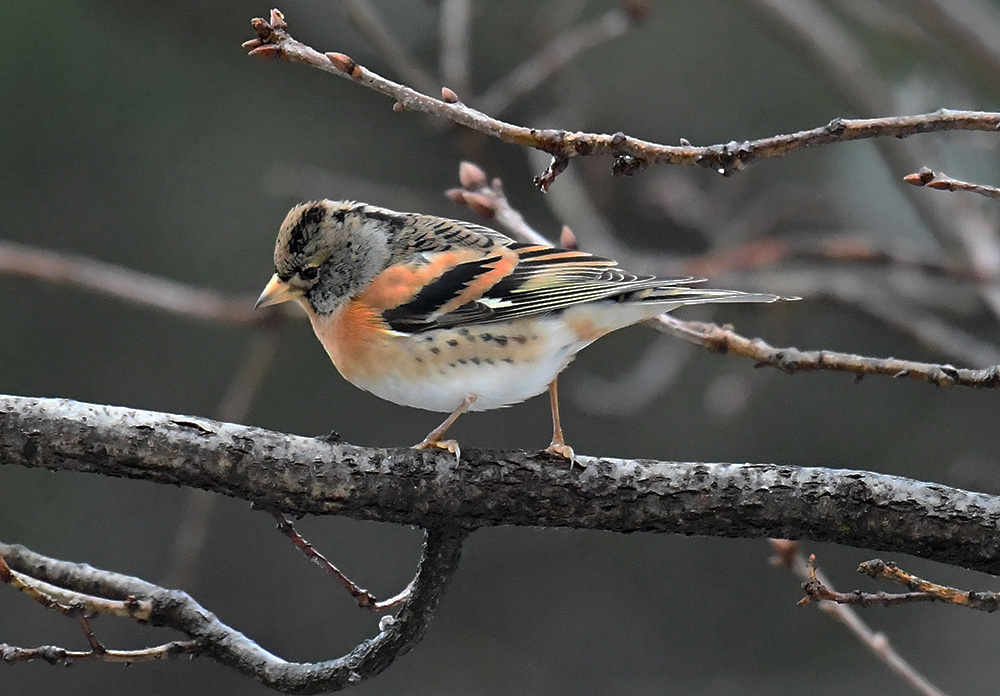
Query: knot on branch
{"type": "Point", "coordinates": [627, 165]}
{"type": "Point", "coordinates": [727, 159]}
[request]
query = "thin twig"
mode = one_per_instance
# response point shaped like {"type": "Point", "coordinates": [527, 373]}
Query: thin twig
{"type": "Point", "coordinates": [943, 182]}
{"type": "Point", "coordinates": [20, 260]}
{"type": "Point", "coordinates": [70, 603]}
{"type": "Point", "coordinates": [983, 601]}
{"type": "Point", "coordinates": [921, 590]}
{"type": "Point", "coordinates": [791, 360]}
{"type": "Point", "coordinates": [60, 656]}
{"type": "Point", "coordinates": [555, 55]}
{"type": "Point", "coordinates": [631, 154]}
{"type": "Point", "coordinates": [788, 555]}
{"type": "Point", "coordinates": [363, 597]}
{"type": "Point", "coordinates": [455, 39]}
{"type": "Point", "coordinates": [370, 25]}
{"type": "Point", "coordinates": [79, 606]}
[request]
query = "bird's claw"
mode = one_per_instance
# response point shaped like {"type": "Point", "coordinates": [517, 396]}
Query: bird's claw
{"type": "Point", "coordinates": [448, 445]}
{"type": "Point", "coordinates": [562, 451]}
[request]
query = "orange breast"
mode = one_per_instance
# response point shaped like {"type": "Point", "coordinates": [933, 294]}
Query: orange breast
{"type": "Point", "coordinates": [356, 339]}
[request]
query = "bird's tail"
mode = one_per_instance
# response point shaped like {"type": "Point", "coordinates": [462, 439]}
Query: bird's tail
{"type": "Point", "coordinates": [687, 296]}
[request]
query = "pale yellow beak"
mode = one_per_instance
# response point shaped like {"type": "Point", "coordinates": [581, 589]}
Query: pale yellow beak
{"type": "Point", "coordinates": [276, 292]}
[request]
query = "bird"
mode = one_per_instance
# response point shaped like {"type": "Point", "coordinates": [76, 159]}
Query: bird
{"type": "Point", "coordinates": [452, 316]}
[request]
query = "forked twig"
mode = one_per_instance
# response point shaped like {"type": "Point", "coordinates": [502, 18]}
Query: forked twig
{"type": "Point", "coordinates": [80, 606]}
{"type": "Point", "coordinates": [787, 555]}
{"type": "Point", "coordinates": [816, 588]}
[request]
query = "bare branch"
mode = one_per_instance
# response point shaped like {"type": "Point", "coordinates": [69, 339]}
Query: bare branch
{"type": "Point", "coordinates": [922, 590]}
{"type": "Point", "coordinates": [212, 638]}
{"type": "Point", "coordinates": [370, 25]}
{"type": "Point", "coordinates": [302, 475]}
{"type": "Point", "coordinates": [70, 603]}
{"type": "Point", "coordinates": [60, 656]}
{"type": "Point", "coordinates": [455, 33]}
{"type": "Point", "coordinates": [555, 55]}
{"type": "Point", "coordinates": [787, 555]}
{"type": "Point", "coordinates": [79, 606]}
{"type": "Point", "coordinates": [363, 597]}
{"type": "Point", "coordinates": [793, 360]}
{"type": "Point", "coordinates": [943, 182]}
{"type": "Point", "coordinates": [631, 154]}
{"type": "Point", "coordinates": [983, 601]}
{"type": "Point", "coordinates": [24, 261]}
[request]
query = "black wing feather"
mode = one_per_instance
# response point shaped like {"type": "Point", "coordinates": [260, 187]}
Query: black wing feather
{"type": "Point", "coordinates": [546, 279]}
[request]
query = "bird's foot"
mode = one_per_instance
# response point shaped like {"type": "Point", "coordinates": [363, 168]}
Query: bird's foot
{"type": "Point", "coordinates": [448, 445]}
{"type": "Point", "coordinates": [562, 451]}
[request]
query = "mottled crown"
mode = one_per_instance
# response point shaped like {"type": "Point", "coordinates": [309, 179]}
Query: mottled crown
{"type": "Point", "coordinates": [333, 249]}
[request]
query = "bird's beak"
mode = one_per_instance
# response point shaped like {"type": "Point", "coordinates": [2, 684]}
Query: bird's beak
{"type": "Point", "coordinates": [276, 292]}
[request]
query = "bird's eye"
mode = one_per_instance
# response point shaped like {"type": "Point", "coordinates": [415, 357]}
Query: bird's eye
{"type": "Point", "coordinates": [308, 273]}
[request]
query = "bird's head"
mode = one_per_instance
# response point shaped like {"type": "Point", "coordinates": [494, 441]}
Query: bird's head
{"type": "Point", "coordinates": [326, 253]}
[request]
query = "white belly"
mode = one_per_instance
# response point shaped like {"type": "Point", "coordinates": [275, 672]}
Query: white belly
{"type": "Point", "coordinates": [496, 374]}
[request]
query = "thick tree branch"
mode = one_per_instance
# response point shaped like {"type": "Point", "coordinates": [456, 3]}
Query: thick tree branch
{"type": "Point", "coordinates": [630, 154]}
{"type": "Point", "coordinates": [305, 475]}
{"type": "Point", "coordinates": [174, 609]}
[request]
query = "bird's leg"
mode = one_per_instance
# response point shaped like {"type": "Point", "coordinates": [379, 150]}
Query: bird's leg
{"type": "Point", "coordinates": [433, 438]}
{"type": "Point", "coordinates": [558, 447]}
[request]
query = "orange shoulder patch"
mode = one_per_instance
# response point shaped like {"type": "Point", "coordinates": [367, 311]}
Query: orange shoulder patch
{"type": "Point", "coordinates": [398, 284]}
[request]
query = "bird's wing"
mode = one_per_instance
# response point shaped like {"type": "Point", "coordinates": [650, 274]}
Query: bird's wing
{"type": "Point", "coordinates": [430, 233]}
{"type": "Point", "coordinates": [522, 280]}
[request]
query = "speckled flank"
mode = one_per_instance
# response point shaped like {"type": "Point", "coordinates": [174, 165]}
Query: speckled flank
{"type": "Point", "coordinates": [502, 366]}
{"type": "Point", "coordinates": [437, 371]}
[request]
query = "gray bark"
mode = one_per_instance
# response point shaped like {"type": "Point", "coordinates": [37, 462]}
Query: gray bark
{"type": "Point", "coordinates": [429, 489]}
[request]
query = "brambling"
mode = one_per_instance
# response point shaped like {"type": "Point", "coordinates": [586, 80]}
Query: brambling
{"type": "Point", "coordinates": [452, 316]}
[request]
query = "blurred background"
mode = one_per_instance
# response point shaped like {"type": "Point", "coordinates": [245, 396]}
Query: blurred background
{"type": "Point", "coordinates": [140, 135]}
